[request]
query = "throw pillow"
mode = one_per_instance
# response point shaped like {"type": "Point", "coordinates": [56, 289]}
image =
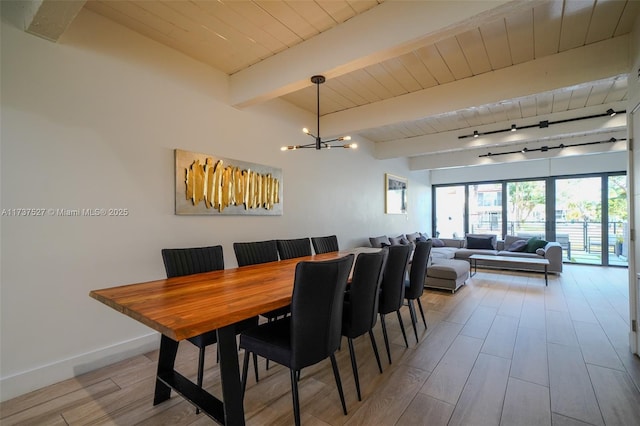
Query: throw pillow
{"type": "Point", "coordinates": [437, 242]}
{"type": "Point", "coordinates": [493, 239]}
{"type": "Point", "coordinates": [520, 245]}
{"type": "Point", "coordinates": [421, 239]}
{"type": "Point", "coordinates": [534, 244]}
{"type": "Point", "coordinates": [479, 243]}
{"type": "Point", "coordinates": [540, 252]}
{"type": "Point", "coordinates": [377, 241]}
{"type": "Point", "coordinates": [399, 240]}
{"type": "Point", "coordinates": [413, 237]}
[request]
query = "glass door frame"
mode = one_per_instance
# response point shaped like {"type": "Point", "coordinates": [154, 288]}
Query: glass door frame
{"type": "Point", "coordinates": [550, 209]}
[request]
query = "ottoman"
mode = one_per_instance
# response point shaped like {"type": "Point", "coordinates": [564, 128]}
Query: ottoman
{"type": "Point", "coordinates": [448, 274]}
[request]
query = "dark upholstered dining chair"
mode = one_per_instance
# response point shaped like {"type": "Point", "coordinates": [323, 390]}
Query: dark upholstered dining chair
{"type": "Point", "coordinates": [312, 332]}
{"type": "Point", "coordinates": [325, 244]}
{"type": "Point", "coordinates": [187, 261]}
{"type": "Point", "coordinates": [290, 249]}
{"type": "Point", "coordinates": [360, 308]}
{"type": "Point", "coordinates": [256, 252]}
{"type": "Point", "coordinates": [253, 253]}
{"type": "Point", "coordinates": [414, 286]}
{"type": "Point", "coordinates": [392, 289]}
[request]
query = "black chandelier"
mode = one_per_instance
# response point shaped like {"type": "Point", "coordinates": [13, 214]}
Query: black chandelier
{"type": "Point", "coordinates": [319, 143]}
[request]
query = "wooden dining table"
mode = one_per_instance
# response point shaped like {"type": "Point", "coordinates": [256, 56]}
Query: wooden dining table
{"type": "Point", "coordinates": [187, 306]}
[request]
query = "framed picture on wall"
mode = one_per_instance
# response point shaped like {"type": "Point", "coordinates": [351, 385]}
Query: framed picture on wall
{"type": "Point", "coordinates": [395, 194]}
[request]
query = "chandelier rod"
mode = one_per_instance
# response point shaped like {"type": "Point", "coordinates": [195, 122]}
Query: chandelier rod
{"type": "Point", "coordinates": [317, 80]}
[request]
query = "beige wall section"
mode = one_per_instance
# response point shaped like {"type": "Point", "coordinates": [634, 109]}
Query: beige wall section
{"type": "Point", "coordinates": [92, 122]}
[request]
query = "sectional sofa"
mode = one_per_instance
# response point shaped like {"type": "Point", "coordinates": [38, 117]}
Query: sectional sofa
{"type": "Point", "coordinates": [448, 266]}
{"type": "Point", "coordinates": [462, 248]}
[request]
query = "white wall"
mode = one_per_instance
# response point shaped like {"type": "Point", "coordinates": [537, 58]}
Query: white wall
{"type": "Point", "coordinates": [92, 122]}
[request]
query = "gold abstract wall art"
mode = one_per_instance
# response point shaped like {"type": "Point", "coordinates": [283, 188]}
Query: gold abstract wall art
{"type": "Point", "coordinates": [211, 185]}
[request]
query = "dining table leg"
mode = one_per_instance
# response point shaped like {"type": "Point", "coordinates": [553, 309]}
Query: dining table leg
{"type": "Point", "coordinates": [230, 376]}
{"type": "Point", "coordinates": [166, 361]}
{"type": "Point", "coordinates": [229, 411]}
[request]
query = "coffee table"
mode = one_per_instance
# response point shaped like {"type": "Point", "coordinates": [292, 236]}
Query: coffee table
{"type": "Point", "coordinates": [488, 259]}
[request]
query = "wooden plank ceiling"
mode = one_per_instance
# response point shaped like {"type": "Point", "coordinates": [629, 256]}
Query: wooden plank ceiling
{"type": "Point", "coordinates": [233, 36]}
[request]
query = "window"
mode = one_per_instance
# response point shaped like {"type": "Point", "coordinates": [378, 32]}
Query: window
{"type": "Point", "coordinates": [566, 209]}
{"type": "Point", "coordinates": [449, 211]}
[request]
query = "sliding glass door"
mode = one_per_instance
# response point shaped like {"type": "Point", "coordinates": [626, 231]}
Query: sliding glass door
{"type": "Point", "coordinates": [526, 211]}
{"type": "Point", "coordinates": [617, 220]}
{"type": "Point", "coordinates": [485, 209]}
{"type": "Point", "coordinates": [587, 215]}
{"type": "Point", "coordinates": [449, 211]}
{"type": "Point", "coordinates": [579, 215]}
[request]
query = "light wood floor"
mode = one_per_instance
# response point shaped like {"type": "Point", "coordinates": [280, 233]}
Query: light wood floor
{"type": "Point", "coordinates": [503, 350]}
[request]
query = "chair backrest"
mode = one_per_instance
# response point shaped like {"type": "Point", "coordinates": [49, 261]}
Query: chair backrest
{"type": "Point", "coordinates": [418, 269]}
{"type": "Point", "coordinates": [187, 261]}
{"type": "Point", "coordinates": [255, 252]}
{"type": "Point", "coordinates": [325, 244]}
{"type": "Point", "coordinates": [316, 309]}
{"type": "Point", "coordinates": [361, 307]}
{"type": "Point", "coordinates": [392, 289]}
{"type": "Point", "coordinates": [290, 249]}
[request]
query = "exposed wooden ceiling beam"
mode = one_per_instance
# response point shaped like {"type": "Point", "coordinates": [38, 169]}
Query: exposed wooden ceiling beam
{"type": "Point", "coordinates": [597, 61]}
{"type": "Point", "coordinates": [401, 26]}
{"type": "Point", "coordinates": [49, 19]}
{"type": "Point", "coordinates": [450, 142]}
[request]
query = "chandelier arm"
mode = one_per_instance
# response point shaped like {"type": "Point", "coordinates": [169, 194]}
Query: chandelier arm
{"type": "Point", "coordinates": [333, 140]}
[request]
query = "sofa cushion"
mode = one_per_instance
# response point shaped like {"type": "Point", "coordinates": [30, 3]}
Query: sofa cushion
{"type": "Point", "coordinates": [510, 239]}
{"type": "Point", "coordinates": [534, 244]}
{"type": "Point", "coordinates": [437, 242]}
{"type": "Point", "coordinates": [464, 253]}
{"type": "Point", "coordinates": [518, 254]}
{"type": "Point", "coordinates": [449, 269]}
{"type": "Point", "coordinates": [519, 245]}
{"type": "Point", "coordinates": [540, 252]}
{"type": "Point", "coordinates": [377, 241]}
{"type": "Point", "coordinates": [421, 239]}
{"type": "Point", "coordinates": [444, 252]}
{"type": "Point", "coordinates": [493, 238]}
{"type": "Point", "coordinates": [480, 243]}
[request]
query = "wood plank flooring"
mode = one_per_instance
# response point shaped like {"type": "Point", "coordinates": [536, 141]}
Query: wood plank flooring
{"type": "Point", "coordinates": [504, 350]}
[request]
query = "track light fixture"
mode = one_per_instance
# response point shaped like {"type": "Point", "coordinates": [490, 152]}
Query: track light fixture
{"type": "Point", "coordinates": [542, 124]}
{"type": "Point", "coordinates": [319, 143]}
{"type": "Point", "coordinates": [546, 148]}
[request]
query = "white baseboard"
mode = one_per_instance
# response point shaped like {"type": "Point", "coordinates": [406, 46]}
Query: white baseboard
{"type": "Point", "coordinates": [27, 381]}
